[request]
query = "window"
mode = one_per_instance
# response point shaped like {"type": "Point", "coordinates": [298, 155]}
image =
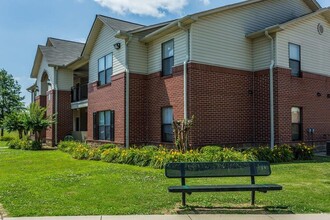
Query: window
{"type": "Point", "coordinates": [105, 69]}
{"type": "Point", "coordinates": [104, 125]}
{"type": "Point", "coordinates": [296, 126]}
{"type": "Point", "coordinates": [167, 57]}
{"type": "Point", "coordinates": [167, 120]}
{"type": "Point", "coordinates": [294, 59]}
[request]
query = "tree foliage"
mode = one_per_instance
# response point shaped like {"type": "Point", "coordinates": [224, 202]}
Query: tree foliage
{"type": "Point", "coordinates": [37, 121]}
{"type": "Point", "coordinates": [15, 121]}
{"type": "Point", "coordinates": [10, 96]}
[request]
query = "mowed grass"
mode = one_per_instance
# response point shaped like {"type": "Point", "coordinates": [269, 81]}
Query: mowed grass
{"type": "Point", "coordinates": [51, 183]}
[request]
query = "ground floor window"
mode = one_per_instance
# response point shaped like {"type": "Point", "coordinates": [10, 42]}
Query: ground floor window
{"type": "Point", "coordinates": [104, 125]}
{"type": "Point", "coordinates": [167, 121]}
{"type": "Point", "coordinates": [296, 123]}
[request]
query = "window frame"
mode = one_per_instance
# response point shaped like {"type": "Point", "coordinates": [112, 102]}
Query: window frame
{"type": "Point", "coordinates": [105, 70]}
{"type": "Point", "coordinates": [97, 126]}
{"type": "Point", "coordinates": [167, 58]}
{"type": "Point", "coordinates": [300, 125]}
{"type": "Point", "coordinates": [294, 60]}
{"type": "Point", "coordinates": [163, 124]}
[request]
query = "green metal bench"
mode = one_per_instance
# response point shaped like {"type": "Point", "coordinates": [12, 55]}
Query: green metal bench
{"type": "Point", "coordinates": [219, 169]}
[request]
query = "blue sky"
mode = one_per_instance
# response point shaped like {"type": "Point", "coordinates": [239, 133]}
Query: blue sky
{"type": "Point", "coordinates": [26, 23]}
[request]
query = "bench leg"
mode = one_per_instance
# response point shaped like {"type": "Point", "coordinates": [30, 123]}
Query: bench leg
{"type": "Point", "coordinates": [183, 199]}
{"type": "Point", "coordinates": [253, 197]}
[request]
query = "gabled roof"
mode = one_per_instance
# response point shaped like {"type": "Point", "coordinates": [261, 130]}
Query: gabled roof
{"type": "Point", "coordinates": [114, 24]}
{"type": "Point", "coordinates": [57, 52]}
{"type": "Point", "coordinates": [280, 27]}
{"type": "Point", "coordinates": [313, 4]}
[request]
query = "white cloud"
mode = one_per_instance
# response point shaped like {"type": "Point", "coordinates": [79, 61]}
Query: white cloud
{"type": "Point", "coordinates": [154, 8]}
{"type": "Point", "coordinates": [205, 2]}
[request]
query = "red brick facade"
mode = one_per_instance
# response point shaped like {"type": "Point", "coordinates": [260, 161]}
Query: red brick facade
{"type": "Point", "coordinates": [231, 106]}
{"type": "Point", "coordinates": [108, 97]}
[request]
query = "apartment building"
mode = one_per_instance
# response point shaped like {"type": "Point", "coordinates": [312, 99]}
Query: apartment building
{"type": "Point", "coordinates": [252, 73]}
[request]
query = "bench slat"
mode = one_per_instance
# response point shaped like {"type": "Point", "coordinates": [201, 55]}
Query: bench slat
{"type": "Point", "coordinates": [217, 169]}
{"type": "Point", "coordinates": [224, 188]}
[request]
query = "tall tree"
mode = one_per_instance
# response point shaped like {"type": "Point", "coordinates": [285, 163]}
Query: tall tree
{"type": "Point", "coordinates": [10, 96]}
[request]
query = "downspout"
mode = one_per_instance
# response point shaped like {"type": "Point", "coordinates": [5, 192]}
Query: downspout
{"type": "Point", "coordinates": [271, 91]}
{"type": "Point", "coordinates": [56, 102]}
{"type": "Point", "coordinates": [127, 93]}
{"type": "Point", "coordinates": [185, 70]}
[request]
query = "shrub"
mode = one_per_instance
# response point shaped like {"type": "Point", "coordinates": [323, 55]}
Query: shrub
{"type": "Point", "coordinates": [35, 145]}
{"type": "Point", "coordinates": [279, 154]}
{"type": "Point", "coordinates": [81, 151]}
{"type": "Point", "coordinates": [107, 146]}
{"type": "Point", "coordinates": [14, 144]}
{"type": "Point", "coordinates": [7, 138]}
{"type": "Point", "coordinates": [94, 153]}
{"type": "Point", "coordinates": [302, 152]}
{"type": "Point", "coordinates": [211, 149]}
{"type": "Point", "coordinates": [67, 146]}
{"type": "Point", "coordinates": [24, 144]}
{"type": "Point", "coordinates": [111, 155]}
{"type": "Point", "coordinates": [226, 154]}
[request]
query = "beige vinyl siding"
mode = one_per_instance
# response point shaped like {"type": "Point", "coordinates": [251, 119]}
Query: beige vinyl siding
{"type": "Point", "coordinates": [137, 56]}
{"type": "Point", "coordinates": [104, 46]}
{"type": "Point", "coordinates": [219, 39]}
{"type": "Point", "coordinates": [315, 48]}
{"type": "Point", "coordinates": [262, 53]}
{"type": "Point", "coordinates": [44, 68]}
{"type": "Point", "coordinates": [155, 50]}
{"type": "Point", "coordinates": [65, 79]}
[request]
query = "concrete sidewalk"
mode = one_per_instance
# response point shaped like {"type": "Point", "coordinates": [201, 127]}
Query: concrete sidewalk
{"type": "Point", "coordinates": [186, 217]}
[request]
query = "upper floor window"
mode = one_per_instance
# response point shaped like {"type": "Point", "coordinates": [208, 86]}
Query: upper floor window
{"type": "Point", "coordinates": [167, 121]}
{"type": "Point", "coordinates": [167, 57]}
{"type": "Point", "coordinates": [105, 69]}
{"type": "Point", "coordinates": [294, 59]}
{"type": "Point", "coordinates": [296, 124]}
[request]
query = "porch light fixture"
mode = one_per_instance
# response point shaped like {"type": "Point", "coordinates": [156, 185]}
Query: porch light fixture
{"type": "Point", "coordinates": [117, 46]}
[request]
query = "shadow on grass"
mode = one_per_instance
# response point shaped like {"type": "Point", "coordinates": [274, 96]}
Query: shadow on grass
{"type": "Point", "coordinates": [233, 210]}
{"type": "Point", "coordinates": [316, 159]}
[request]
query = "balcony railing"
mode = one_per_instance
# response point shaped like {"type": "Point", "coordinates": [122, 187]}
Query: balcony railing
{"type": "Point", "coordinates": [79, 93]}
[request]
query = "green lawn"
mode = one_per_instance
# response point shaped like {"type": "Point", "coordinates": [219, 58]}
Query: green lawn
{"type": "Point", "coordinates": [50, 183]}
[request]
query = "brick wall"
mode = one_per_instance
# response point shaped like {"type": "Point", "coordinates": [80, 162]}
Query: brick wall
{"type": "Point", "coordinates": [302, 92]}
{"type": "Point", "coordinates": [222, 101]}
{"type": "Point", "coordinates": [64, 117]}
{"type": "Point", "coordinates": [41, 100]}
{"type": "Point", "coordinates": [50, 104]}
{"type": "Point", "coordinates": [108, 97]}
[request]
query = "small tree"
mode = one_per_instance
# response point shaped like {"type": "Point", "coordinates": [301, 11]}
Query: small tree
{"type": "Point", "coordinates": [15, 122]}
{"type": "Point", "coordinates": [37, 121]}
{"type": "Point", "coordinates": [181, 130]}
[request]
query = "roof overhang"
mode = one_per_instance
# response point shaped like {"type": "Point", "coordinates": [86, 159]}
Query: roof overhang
{"type": "Point", "coordinates": [312, 4]}
{"type": "Point", "coordinates": [36, 63]}
{"type": "Point", "coordinates": [33, 87]}
{"type": "Point", "coordinates": [92, 36]}
{"type": "Point", "coordinates": [171, 27]}
{"type": "Point", "coordinates": [81, 61]}
{"type": "Point", "coordinates": [325, 12]}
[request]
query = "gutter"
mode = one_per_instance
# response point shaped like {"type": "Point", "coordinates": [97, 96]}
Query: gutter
{"type": "Point", "coordinates": [271, 91]}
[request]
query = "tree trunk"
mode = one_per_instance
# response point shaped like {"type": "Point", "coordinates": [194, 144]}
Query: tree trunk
{"type": "Point", "coordinates": [20, 134]}
{"type": "Point", "coordinates": [1, 132]}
